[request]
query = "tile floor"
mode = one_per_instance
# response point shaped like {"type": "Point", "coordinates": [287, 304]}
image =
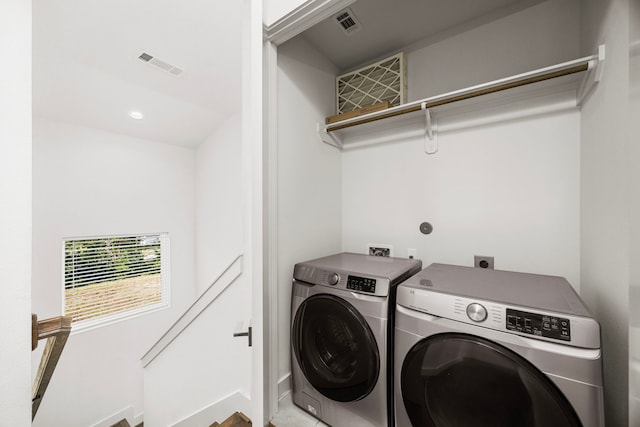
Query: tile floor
{"type": "Point", "coordinates": [289, 415]}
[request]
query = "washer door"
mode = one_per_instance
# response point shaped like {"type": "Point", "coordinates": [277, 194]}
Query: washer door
{"type": "Point", "coordinates": [461, 380]}
{"type": "Point", "coordinates": [335, 348]}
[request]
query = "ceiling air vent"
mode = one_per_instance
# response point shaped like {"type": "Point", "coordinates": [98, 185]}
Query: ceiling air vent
{"type": "Point", "coordinates": [347, 21]}
{"type": "Point", "coordinates": [160, 64]}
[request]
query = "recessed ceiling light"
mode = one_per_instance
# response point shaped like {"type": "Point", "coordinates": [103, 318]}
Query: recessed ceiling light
{"type": "Point", "coordinates": [137, 115]}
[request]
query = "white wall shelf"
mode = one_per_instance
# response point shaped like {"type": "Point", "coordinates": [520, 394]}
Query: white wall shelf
{"type": "Point", "coordinates": [553, 88]}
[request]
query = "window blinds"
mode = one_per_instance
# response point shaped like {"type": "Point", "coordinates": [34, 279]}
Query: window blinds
{"type": "Point", "coordinates": [108, 278]}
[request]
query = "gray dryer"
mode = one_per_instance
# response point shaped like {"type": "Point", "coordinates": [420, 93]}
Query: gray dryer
{"type": "Point", "coordinates": [488, 348]}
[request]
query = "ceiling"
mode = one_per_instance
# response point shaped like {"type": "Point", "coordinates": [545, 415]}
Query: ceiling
{"type": "Point", "coordinates": [388, 26]}
{"type": "Point", "coordinates": [86, 68]}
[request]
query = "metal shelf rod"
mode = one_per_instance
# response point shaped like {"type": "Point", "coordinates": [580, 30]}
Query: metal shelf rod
{"type": "Point", "coordinates": [547, 73]}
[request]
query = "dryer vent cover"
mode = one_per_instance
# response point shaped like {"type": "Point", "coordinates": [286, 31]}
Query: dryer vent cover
{"type": "Point", "coordinates": [382, 81]}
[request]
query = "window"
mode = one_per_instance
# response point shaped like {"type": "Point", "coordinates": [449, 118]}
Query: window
{"type": "Point", "coordinates": [114, 277]}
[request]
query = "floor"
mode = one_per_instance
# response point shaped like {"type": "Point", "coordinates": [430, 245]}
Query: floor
{"type": "Point", "coordinates": [289, 415]}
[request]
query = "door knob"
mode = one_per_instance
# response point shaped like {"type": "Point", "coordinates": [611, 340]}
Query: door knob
{"type": "Point", "coordinates": [244, 334]}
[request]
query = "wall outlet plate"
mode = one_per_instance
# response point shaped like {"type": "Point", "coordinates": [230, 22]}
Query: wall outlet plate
{"type": "Point", "coordinates": [380, 249]}
{"type": "Point", "coordinates": [482, 261]}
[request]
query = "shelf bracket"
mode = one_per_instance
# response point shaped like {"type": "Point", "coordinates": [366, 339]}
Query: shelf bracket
{"type": "Point", "coordinates": [592, 77]}
{"type": "Point", "coordinates": [430, 131]}
{"type": "Point", "coordinates": [328, 138]}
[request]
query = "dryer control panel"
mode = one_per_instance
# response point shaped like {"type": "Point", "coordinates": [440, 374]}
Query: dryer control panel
{"type": "Point", "coordinates": [547, 326]}
{"type": "Point", "coordinates": [561, 328]}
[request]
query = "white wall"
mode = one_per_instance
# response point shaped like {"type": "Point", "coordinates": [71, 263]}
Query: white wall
{"type": "Point", "coordinates": [218, 202]}
{"type": "Point", "coordinates": [202, 365]}
{"type": "Point", "coordinates": [276, 9]}
{"type": "Point", "coordinates": [509, 190]}
{"type": "Point", "coordinates": [206, 363]}
{"type": "Point", "coordinates": [605, 188]}
{"type": "Point", "coordinates": [309, 176]}
{"type": "Point", "coordinates": [88, 182]}
{"type": "Point", "coordinates": [542, 35]}
{"type": "Point", "coordinates": [15, 212]}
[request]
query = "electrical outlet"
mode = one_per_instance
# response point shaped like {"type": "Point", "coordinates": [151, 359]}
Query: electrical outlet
{"type": "Point", "coordinates": [379, 249]}
{"type": "Point", "coordinates": [481, 261]}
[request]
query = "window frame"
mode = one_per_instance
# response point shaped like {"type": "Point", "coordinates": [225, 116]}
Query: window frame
{"type": "Point", "coordinates": [111, 318]}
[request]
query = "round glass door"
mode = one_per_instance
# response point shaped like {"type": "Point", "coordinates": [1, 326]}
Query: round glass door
{"type": "Point", "coordinates": [460, 380]}
{"type": "Point", "coordinates": [335, 348]}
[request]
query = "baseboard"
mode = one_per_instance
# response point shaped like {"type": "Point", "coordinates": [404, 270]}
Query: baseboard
{"type": "Point", "coordinates": [284, 386]}
{"type": "Point", "coordinates": [127, 413]}
{"type": "Point", "coordinates": [217, 411]}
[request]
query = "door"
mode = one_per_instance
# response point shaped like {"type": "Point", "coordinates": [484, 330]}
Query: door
{"type": "Point", "coordinates": [252, 206]}
{"type": "Point", "coordinates": [335, 348]}
{"type": "Point", "coordinates": [456, 380]}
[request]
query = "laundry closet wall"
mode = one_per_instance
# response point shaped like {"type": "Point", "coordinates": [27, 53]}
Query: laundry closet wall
{"type": "Point", "coordinates": [508, 189]}
{"type": "Point", "coordinates": [607, 189]}
{"type": "Point", "coordinates": [545, 193]}
{"type": "Point", "coordinates": [309, 176]}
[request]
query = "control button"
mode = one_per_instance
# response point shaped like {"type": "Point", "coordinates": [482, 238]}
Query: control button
{"type": "Point", "coordinates": [476, 312]}
{"type": "Point", "coordinates": [334, 278]}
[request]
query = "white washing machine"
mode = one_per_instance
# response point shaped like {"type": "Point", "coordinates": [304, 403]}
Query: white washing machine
{"type": "Point", "coordinates": [478, 347]}
{"type": "Point", "coordinates": [342, 337]}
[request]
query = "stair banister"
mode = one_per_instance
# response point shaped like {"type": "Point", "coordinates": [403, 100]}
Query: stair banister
{"type": "Point", "coordinates": [219, 285]}
{"type": "Point", "coordinates": [56, 331]}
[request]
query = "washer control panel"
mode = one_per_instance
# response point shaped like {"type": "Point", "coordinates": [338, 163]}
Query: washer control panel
{"type": "Point", "coordinates": [476, 312]}
{"type": "Point", "coordinates": [361, 284]}
{"type": "Point", "coordinates": [538, 324]}
{"type": "Point", "coordinates": [342, 280]}
{"type": "Point", "coordinates": [333, 279]}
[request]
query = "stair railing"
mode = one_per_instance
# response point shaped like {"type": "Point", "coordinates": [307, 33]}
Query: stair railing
{"type": "Point", "coordinates": [219, 285]}
{"type": "Point", "coordinates": [56, 331]}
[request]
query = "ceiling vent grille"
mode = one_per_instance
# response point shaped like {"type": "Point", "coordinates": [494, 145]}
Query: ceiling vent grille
{"type": "Point", "coordinates": [347, 21]}
{"type": "Point", "coordinates": [160, 64]}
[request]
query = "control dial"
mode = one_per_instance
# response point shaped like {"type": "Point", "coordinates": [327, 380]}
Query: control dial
{"type": "Point", "coordinates": [334, 278]}
{"type": "Point", "coordinates": [476, 312]}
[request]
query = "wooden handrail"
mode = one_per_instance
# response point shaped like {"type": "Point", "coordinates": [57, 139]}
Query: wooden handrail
{"type": "Point", "coordinates": [56, 331]}
{"type": "Point", "coordinates": [54, 326]}
{"type": "Point", "coordinates": [34, 331]}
